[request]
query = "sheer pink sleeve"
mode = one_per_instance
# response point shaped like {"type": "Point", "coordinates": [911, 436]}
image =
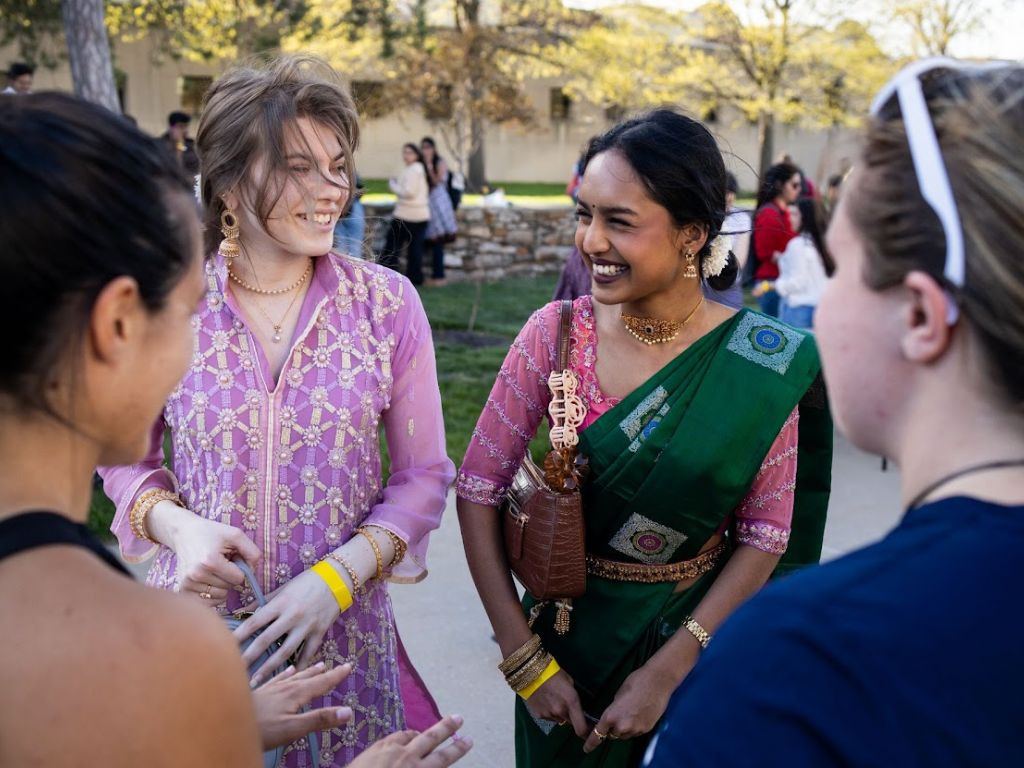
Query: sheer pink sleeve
{"type": "Point", "coordinates": [421, 471]}
{"type": "Point", "coordinates": [126, 483]}
{"type": "Point", "coordinates": [764, 517]}
{"type": "Point", "coordinates": [515, 407]}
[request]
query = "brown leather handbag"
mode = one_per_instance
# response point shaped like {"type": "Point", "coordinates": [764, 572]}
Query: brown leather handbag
{"type": "Point", "coordinates": [542, 514]}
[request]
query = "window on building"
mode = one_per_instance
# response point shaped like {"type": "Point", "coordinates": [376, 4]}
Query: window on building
{"type": "Point", "coordinates": [438, 105]}
{"type": "Point", "coordinates": [191, 90]}
{"type": "Point", "coordinates": [561, 105]}
{"type": "Point", "coordinates": [370, 98]}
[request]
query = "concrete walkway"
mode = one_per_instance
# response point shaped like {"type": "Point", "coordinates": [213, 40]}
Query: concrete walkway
{"type": "Point", "coordinates": [448, 637]}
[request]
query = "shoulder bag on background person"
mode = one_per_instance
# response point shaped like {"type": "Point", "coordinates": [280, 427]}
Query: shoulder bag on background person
{"type": "Point", "coordinates": [542, 514]}
{"type": "Point", "coordinates": [233, 620]}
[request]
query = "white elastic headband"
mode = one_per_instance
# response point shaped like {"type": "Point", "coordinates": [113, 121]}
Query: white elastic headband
{"type": "Point", "coordinates": [932, 177]}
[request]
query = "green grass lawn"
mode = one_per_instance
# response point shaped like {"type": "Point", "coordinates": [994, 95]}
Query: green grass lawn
{"type": "Point", "coordinates": [524, 194]}
{"type": "Point", "coordinates": [468, 359]}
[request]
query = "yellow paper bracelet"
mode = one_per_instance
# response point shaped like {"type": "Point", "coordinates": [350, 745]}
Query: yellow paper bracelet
{"type": "Point", "coordinates": [335, 583]}
{"type": "Point", "coordinates": [549, 671]}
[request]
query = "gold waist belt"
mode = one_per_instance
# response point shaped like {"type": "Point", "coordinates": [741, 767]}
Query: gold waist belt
{"type": "Point", "coordinates": [654, 574]}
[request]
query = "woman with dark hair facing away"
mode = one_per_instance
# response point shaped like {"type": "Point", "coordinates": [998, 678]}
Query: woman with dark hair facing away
{"type": "Point", "coordinates": [442, 227]}
{"type": "Point", "coordinates": [804, 267]}
{"type": "Point", "coordinates": [905, 652]}
{"type": "Point", "coordinates": [693, 500]}
{"type": "Point", "coordinates": [409, 220]}
{"type": "Point", "coordinates": [103, 295]}
{"type": "Point", "coordinates": [302, 356]}
{"type": "Point", "coordinates": [772, 231]}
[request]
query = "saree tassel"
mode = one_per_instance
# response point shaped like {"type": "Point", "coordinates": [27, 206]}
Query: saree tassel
{"type": "Point", "coordinates": [562, 616]}
{"type": "Point", "coordinates": [535, 613]}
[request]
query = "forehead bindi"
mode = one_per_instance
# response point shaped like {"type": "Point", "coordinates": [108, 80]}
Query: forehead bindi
{"type": "Point", "coordinates": [610, 182]}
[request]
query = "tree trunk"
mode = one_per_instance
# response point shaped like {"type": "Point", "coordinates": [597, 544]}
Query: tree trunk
{"type": "Point", "coordinates": [477, 179]}
{"type": "Point", "coordinates": [89, 52]}
{"type": "Point", "coordinates": [766, 142]}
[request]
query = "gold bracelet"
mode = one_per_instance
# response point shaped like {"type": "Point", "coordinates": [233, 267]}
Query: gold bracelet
{"type": "Point", "coordinates": [376, 550]}
{"type": "Point", "coordinates": [401, 547]}
{"type": "Point", "coordinates": [142, 507]}
{"type": "Point", "coordinates": [357, 585]}
{"type": "Point", "coordinates": [518, 656]}
{"type": "Point", "coordinates": [692, 626]}
{"type": "Point", "coordinates": [531, 672]}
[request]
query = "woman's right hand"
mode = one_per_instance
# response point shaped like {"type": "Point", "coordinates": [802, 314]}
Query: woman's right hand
{"type": "Point", "coordinates": [205, 549]}
{"type": "Point", "coordinates": [557, 700]}
{"type": "Point", "coordinates": [408, 749]}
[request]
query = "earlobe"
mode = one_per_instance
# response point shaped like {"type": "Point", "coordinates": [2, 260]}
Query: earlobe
{"type": "Point", "coordinates": [691, 238]}
{"type": "Point", "coordinates": [927, 333]}
{"type": "Point", "coordinates": [230, 200]}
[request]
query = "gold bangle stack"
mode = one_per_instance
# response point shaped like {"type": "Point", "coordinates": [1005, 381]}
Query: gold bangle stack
{"type": "Point", "coordinates": [700, 634]}
{"type": "Point", "coordinates": [357, 586]}
{"type": "Point", "coordinates": [376, 550]}
{"type": "Point", "coordinates": [525, 664]}
{"type": "Point", "coordinates": [142, 507]}
{"type": "Point", "coordinates": [397, 542]}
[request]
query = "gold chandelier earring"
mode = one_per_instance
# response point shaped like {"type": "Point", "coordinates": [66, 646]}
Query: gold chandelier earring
{"type": "Point", "coordinates": [230, 247]}
{"type": "Point", "coordinates": [691, 267]}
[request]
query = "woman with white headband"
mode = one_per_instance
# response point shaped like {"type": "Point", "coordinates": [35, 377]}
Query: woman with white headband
{"type": "Point", "coordinates": [906, 652]}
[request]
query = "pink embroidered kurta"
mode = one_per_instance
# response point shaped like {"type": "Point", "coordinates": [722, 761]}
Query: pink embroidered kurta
{"type": "Point", "coordinates": [519, 401]}
{"type": "Point", "coordinates": [296, 463]}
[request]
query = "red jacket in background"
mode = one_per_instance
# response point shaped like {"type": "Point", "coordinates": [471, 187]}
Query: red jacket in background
{"type": "Point", "coordinates": [772, 231]}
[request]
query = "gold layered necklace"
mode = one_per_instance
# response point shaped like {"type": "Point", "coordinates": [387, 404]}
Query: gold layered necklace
{"type": "Point", "coordinates": [650, 330]}
{"type": "Point", "coordinates": [277, 336]}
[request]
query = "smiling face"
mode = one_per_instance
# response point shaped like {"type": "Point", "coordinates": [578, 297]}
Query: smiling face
{"type": "Point", "coordinates": [315, 190]}
{"type": "Point", "coordinates": [633, 248]}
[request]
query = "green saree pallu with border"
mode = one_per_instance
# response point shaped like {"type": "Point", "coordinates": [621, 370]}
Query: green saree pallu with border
{"type": "Point", "coordinates": [669, 464]}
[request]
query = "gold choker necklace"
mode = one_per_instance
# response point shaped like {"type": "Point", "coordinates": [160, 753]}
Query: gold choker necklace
{"type": "Point", "coordinates": [276, 291]}
{"type": "Point", "coordinates": [651, 331]}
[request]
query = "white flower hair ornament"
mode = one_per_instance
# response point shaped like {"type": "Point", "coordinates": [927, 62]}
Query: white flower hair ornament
{"type": "Point", "coordinates": [717, 258]}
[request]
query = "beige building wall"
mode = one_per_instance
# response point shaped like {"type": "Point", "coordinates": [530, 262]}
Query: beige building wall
{"type": "Point", "coordinates": [544, 151]}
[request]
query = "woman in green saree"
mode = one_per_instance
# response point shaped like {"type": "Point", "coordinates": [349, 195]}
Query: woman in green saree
{"type": "Point", "coordinates": [708, 441]}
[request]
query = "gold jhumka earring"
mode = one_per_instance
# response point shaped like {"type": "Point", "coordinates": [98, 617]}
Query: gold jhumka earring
{"type": "Point", "coordinates": [230, 247]}
{"type": "Point", "coordinates": [691, 268]}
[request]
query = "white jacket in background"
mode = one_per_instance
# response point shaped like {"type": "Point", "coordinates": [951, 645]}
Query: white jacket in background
{"type": "Point", "coordinates": [413, 194]}
{"type": "Point", "coordinates": [802, 276]}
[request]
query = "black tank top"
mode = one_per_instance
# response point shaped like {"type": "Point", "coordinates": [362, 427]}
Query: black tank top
{"type": "Point", "coordinates": [31, 530]}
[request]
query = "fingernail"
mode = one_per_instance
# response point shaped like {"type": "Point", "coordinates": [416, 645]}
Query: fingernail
{"type": "Point", "coordinates": [320, 666]}
{"type": "Point", "coordinates": [289, 668]}
{"type": "Point", "coordinates": [344, 714]}
{"type": "Point", "coordinates": [467, 741]}
{"type": "Point", "coordinates": [255, 681]}
{"type": "Point", "coordinates": [457, 719]}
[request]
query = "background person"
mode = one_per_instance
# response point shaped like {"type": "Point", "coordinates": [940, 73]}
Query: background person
{"type": "Point", "coordinates": [179, 144]}
{"type": "Point", "coordinates": [779, 189]}
{"type": "Point", "coordinates": [442, 227]}
{"type": "Point", "coordinates": [408, 228]}
{"type": "Point", "coordinates": [805, 266]}
{"type": "Point", "coordinates": [737, 228]}
{"type": "Point", "coordinates": [886, 656]}
{"type": "Point", "coordinates": [19, 79]}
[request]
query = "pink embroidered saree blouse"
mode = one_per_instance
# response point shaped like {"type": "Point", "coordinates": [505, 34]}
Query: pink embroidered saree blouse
{"type": "Point", "coordinates": [519, 400]}
{"type": "Point", "coordinates": [296, 463]}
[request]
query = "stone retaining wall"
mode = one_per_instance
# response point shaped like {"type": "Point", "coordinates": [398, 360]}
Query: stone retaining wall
{"type": "Point", "coordinates": [494, 242]}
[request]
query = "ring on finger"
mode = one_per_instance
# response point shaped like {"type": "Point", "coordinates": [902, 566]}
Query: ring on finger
{"type": "Point", "coordinates": [206, 594]}
{"type": "Point", "coordinates": [601, 736]}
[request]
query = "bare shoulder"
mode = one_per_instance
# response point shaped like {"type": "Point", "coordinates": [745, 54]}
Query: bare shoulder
{"type": "Point", "coordinates": [109, 668]}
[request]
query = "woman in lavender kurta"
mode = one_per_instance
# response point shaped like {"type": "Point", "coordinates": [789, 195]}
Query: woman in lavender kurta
{"type": "Point", "coordinates": [275, 426]}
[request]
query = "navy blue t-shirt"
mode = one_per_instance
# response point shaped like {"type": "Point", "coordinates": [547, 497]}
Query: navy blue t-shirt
{"type": "Point", "coordinates": [909, 652]}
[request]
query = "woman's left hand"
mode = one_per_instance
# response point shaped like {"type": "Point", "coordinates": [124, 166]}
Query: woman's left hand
{"type": "Point", "coordinates": [638, 706]}
{"type": "Point", "coordinates": [300, 612]}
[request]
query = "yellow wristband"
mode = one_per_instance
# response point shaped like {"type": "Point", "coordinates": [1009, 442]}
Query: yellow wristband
{"type": "Point", "coordinates": [335, 583]}
{"type": "Point", "coordinates": [549, 671]}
